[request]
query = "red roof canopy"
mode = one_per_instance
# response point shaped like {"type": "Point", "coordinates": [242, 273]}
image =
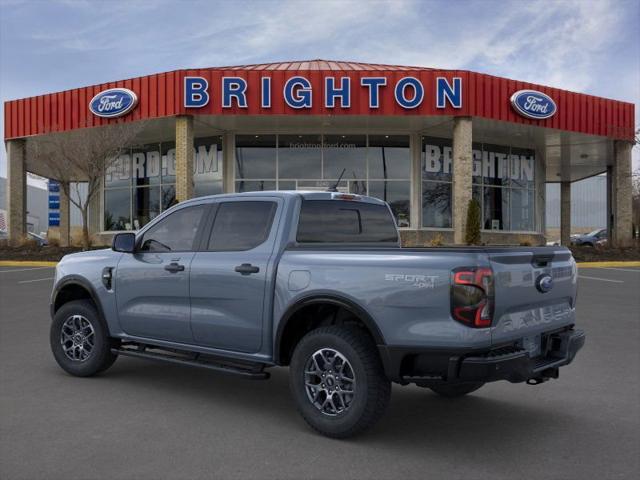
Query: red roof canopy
{"type": "Point", "coordinates": [161, 95]}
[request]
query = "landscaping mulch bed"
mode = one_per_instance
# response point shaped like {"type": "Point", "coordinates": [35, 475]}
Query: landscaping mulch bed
{"type": "Point", "coordinates": [604, 254]}
{"type": "Point", "coordinates": [49, 253]}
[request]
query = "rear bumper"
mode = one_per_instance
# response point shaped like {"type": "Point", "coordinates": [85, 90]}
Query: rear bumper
{"type": "Point", "coordinates": [509, 362]}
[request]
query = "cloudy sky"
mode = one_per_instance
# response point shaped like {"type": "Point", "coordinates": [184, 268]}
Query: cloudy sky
{"type": "Point", "coordinates": [582, 45]}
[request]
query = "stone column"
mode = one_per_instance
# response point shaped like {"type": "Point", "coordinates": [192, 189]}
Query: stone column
{"type": "Point", "coordinates": [65, 216]}
{"type": "Point", "coordinates": [462, 158]}
{"type": "Point", "coordinates": [565, 213]}
{"type": "Point", "coordinates": [228, 163]}
{"type": "Point", "coordinates": [184, 157]}
{"type": "Point", "coordinates": [416, 180]}
{"type": "Point", "coordinates": [16, 191]}
{"type": "Point", "coordinates": [621, 183]}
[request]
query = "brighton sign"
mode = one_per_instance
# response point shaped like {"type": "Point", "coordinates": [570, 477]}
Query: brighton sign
{"type": "Point", "coordinates": [298, 93]}
{"type": "Point", "coordinates": [113, 103]}
{"type": "Point", "coordinates": [533, 104]}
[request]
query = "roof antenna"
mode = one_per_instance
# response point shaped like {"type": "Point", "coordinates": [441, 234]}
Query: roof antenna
{"type": "Point", "coordinates": [334, 188]}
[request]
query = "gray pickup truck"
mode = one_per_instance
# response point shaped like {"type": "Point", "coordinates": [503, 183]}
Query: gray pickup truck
{"type": "Point", "coordinates": [316, 281]}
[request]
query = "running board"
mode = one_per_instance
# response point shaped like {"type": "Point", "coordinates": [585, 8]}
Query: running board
{"type": "Point", "coordinates": [252, 371]}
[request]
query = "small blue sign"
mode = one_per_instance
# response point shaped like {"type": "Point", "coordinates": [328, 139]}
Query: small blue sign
{"type": "Point", "coordinates": [54, 204]}
{"type": "Point", "coordinates": [54, 186]}
{"type": "Point", "coordinates": [533, 104]}
{"type": "Point", "coordinates": [54, 219]}
{"type": "Point", "coordinates": [114, 102]}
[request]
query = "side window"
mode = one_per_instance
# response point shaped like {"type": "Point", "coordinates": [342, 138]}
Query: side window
{"type": "Point", "coordinates": [175, 233]}
{"type": "Point", "coordinates": [241, 225]}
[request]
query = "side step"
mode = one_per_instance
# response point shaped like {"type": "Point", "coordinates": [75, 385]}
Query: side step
{"type": "Point", "coordinates": [252, 371]}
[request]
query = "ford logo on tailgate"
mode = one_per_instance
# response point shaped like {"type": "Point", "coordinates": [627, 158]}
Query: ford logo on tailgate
{"type": "Point", "coordinates": [544, 283]}
{"type": "Point", "coordinates": [533, 104]}
{"type": "Point", "coordinates": [114, 102]}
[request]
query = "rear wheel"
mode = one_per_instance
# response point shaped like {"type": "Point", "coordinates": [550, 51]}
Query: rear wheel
{"type": "Point", "coordinates": [337, 381]}
{"type": "Point", "coordinates": [80, 340]}
{"type": "Point", "coordinates": [456, 390]}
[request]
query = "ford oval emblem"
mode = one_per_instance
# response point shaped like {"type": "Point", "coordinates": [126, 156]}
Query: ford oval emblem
{"type": "Point", "coordinates": [544, 283]}
{"type": "Point", "coordinates": [533, 104]}
{"type": "Point", "coordinates": [114, 102]}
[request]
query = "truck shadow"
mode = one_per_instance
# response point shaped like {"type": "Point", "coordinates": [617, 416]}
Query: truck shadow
{"type": "Point", "coordinates": [416, 418]}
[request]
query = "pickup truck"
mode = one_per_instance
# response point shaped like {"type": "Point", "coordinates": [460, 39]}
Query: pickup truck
{"type": "Point", "coordinates": [316, 281]}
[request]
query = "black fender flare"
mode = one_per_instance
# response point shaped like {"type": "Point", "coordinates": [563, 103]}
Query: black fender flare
{"type": "Point", "coordinates": [81, 282]}
{"type": "Point", "coordinates": [330, 299]}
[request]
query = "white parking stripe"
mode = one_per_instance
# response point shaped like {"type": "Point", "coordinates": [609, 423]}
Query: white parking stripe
{"type": "Point", "coordinates": [36, 280]}
{"type": "Point", "coordinates": [637, 270]}
{"type": "Point", "coordinates": [23, 269]}
{"type": "Point", "coordinates": [601, 279]}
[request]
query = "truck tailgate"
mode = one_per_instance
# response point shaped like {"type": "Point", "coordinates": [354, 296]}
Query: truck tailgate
{"type": "Point", "coordinates": [535, 292]}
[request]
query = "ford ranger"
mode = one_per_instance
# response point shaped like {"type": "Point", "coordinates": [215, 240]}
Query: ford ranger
{"type": "Point", "coordinates": [316, 281]}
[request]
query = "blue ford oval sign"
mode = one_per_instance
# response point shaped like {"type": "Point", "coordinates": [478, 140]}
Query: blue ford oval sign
{"type": "Point", "coordinates": [533, 104]}
{"type": "Point", "coordinates": [544, 283]}
{"type": "Point", "coordinates": [114, 102]}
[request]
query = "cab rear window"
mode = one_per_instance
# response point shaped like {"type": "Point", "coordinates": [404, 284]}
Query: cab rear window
{"type": "Point", "coordinates": [336, 221]}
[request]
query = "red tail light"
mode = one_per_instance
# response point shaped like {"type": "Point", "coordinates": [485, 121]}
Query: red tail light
{"type": "Point", "coordinates": [472, 296]}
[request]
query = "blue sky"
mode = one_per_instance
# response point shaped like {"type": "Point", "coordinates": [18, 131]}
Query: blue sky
{"type": "Point", "coordinates": [582, 45]}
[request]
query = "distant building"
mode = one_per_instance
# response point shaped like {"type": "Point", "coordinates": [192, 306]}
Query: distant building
{"type": "Point", "coordinates": [37, 207]}
{"type": "Point", "coordinates": [588, 204]}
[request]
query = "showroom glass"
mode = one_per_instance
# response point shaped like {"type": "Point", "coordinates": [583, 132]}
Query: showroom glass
{"type": "Point", "coordinates": [175, 233]}
{"type": "Point", "coordinates": [241, 225]}
{"type": "Point", "coordinates": [436, 182]}
{"type": "Point", "coordinates": [335, 221]}
{"type": "Point", "coordinates": [148, 173]}
{"type": "Point", "coordinates": [377, 165]}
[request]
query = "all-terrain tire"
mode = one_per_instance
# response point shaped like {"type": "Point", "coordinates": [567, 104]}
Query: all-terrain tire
{"type": "Point", "coordinates": [456, 390]}
{"type": "Point", "coordinates": [80, 340]}
{"type": "Point", "coordinates": [372, 389]}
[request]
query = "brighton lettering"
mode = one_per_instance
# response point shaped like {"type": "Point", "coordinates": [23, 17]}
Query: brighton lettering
{"type": "Point", "coordinates": [298, 92]}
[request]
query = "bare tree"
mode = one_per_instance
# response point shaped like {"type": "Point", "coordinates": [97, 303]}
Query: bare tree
{"type": "Point", "coordinates": [85, 156]}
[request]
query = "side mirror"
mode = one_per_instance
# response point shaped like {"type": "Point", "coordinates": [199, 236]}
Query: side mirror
{"type": "Point", "coordinates": [124, 242]}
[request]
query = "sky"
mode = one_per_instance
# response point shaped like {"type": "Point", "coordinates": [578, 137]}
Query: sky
{"type": "Point", "coordinates": [589, 46]}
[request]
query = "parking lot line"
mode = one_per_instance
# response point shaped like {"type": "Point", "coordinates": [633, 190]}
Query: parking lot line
{"type": "Point", "coordinates": [23, 269]}
{"type": "Point", "coordinates": [601, 279]}
{"type": "Point", "coordinates": [36, 280]}
{"type": "Point", "coordinates": [621, 269]}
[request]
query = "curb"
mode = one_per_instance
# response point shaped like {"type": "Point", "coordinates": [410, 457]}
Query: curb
{"type": "Point", "coordinates": [26, 263]}
{"type": "Point", "coordinates": [608, 264]}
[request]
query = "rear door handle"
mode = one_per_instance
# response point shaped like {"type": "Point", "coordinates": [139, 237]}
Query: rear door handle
{"type": "Point", "coordinates": [247, 269]}
{"type": "Point", "coordinates": [174, 267]}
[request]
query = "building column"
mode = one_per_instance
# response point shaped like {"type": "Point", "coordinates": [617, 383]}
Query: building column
{"type": "Point", "coordinates": [65, 215]}
{"type": "Point", "coordinates": [228, 163]}
{"type": "Point", "coordinates": [416, 180]}
{"type": "Point", "coordinates": [462, 159]}
{"type": "Point", "coordinates": [184, 157]}
{"type": "Point", "coordinates": [16, 191]}
{"type": "Point", "coordinates": [565, 213]}
{"type": "Point", "coordinates": [621, 186]}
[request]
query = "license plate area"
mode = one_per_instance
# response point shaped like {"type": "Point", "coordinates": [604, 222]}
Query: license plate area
{"type": "Point", "coordinates": [532, 344]}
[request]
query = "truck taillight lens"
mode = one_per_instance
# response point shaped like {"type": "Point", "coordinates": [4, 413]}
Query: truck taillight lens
{"type": "Point", "coordinates": [472, 296]}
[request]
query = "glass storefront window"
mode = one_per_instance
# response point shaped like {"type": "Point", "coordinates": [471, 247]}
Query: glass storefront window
{"type": "Point", "coordinates": [117, 209]}
{"type": "Point", "coordinates": [344, 152]}
{"type": "Point", "coordinates": [299, 156]}
{"type": "Point", "coordinates": [389, 157]}
{"type": "Point", "coordinates": [397, 194]}
{"type": "Point", "coordinates": [168, 198]}
{"type": "Point", "coordinates": [255, 185]}
{"type": "Point", "coordinates": [118, 174]}
{"type": "Point", "coordinates": [521, 211]}
{"type": "Point", "coordinates": [146, 205]}
{"type": "Point", "coordinates": [146, 165]}
{"type": "Point", "coordinates": [255, 156]}
{"type": "Point", "coordinates": [436, 204]}
{"type": "Point", "coordinates": [496, 208]}
{"type": "Point", "coordinates": [168, 162]}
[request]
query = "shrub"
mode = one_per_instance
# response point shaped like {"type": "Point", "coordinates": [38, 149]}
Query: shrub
{"type": "Point", "coordinates": [472, 233]}
{"type": "Point", "coordinates": [436, 241]}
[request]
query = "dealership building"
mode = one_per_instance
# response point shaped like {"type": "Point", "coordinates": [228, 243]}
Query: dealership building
{"type": "Point", "coordinates": [425, 140]}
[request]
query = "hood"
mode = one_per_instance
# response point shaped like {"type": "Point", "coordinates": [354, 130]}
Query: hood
{"type": "Point", "coordinates": [90, 255]}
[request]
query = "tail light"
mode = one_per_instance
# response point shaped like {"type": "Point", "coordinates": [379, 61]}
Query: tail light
{"type": "Point", "coordinates": [472, 296]}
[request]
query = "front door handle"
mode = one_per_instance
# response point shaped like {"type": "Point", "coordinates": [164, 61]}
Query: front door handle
{"type": "Point", "coordinates": [247, 269]}
{"type": "Point", "coordinates": [174, 267]}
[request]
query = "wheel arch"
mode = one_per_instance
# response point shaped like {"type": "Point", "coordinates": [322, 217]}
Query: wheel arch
{"type": "Point", "coordinates": [288, 320]}
{"type": "Point", "coordinates": [74, 288]}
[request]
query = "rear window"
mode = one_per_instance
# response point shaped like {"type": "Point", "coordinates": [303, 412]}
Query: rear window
{"type": "Point", "coordinates": [336, 221]}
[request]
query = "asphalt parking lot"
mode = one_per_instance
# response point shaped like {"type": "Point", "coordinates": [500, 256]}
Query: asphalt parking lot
{"type": "Point", "coordinates": [147, 420]}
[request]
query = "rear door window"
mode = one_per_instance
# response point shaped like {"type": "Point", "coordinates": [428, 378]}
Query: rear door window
{"type": "Point", "coordinates": [336, 221]}
{"type": "Point", "coordinates": [241, 225]}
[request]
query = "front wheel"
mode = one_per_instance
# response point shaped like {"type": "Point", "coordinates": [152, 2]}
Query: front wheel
{"type": "Point", "coordinates": [337, 381]}
{"type": "Point", "coordinates": [80, 340]}
{"type": "Point", "coordinates": [456, 390]}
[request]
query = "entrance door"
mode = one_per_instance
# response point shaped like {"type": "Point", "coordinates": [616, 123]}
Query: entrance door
{"type": "Point", "coordinates": [152, 284]}
{"type": "Point", "coordinates": [228, 280]}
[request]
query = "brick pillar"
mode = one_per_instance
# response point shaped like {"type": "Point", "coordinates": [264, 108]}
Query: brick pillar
{"type": "Point", "coordinates": [621, 185]}
{"type": "Point", "coordinates": [65, 216]}
{"type": "Point", "coordinates": [565, 213]}
{"type": "Point", "coordinates": [462, 175]}
{"type": "Point", "coordinates": [184, 157]}
{"type": "Point", "coordinates": [16, 191]}
{"type": "Point", "coordinates": [416, 180]}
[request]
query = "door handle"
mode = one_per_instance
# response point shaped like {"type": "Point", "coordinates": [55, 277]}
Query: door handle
{"type": "Point", "coordinates": [174, 267]}
{"type": "Point", "coordinates": [247, 269]}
